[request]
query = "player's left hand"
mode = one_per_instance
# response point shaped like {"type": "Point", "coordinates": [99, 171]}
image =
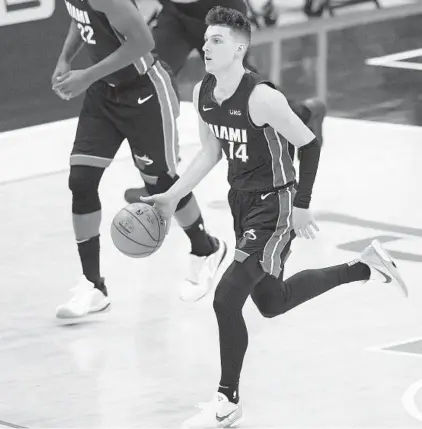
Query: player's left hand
{"type": "Point", "coordinates": [73, 83]}
{"type": "Point", "coordinates": [304, 223]}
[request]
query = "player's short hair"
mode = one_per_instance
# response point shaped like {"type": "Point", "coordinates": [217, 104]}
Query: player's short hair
{"type": "Point", "coordinates": [230, 18]}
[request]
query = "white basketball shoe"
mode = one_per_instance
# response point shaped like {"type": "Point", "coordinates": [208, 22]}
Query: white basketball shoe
{"type": "Point", "coordinates": [219, 413]}
{"type": "Point", "coordinates": [86, 299]}
{"type": "Point", "coordinates": [202, 274]}
{"type": "Point", "coordinates": [382, 266]}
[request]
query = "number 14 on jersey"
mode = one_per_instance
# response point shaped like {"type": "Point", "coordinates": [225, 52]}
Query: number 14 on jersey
{"type": "Point", "coordinates": [239, 152]}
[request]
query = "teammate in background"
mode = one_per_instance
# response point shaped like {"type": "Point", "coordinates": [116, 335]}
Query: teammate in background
{"type": "Point", "coordinates": [180, 29]}
{"type": "Point", "coordinates": [252, 122]}
{"type": "Point", "coordinates": [129, 94]}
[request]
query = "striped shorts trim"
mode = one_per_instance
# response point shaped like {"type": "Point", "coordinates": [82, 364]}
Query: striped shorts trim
{"type": "Point", "coordinates": [169, 105]}
{"type": "Point", "coordinates": [89, 160]}
{"type": "Point", "coordinates": [266, 228]}
{"type": "Point", "coordinates": [271, 258]}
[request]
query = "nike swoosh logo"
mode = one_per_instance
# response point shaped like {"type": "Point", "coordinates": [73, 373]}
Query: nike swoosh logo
{"type": "Point", "coordinates": [388, 279]}
{"type": "Point", "coordinates": [142, 101]}
{"type": "Point", "coordinates": [148, 161]}
{"type": "Point", "coordinates": [205, 109]}
{"type": "Point", "coordinates": [222, 418]}
{"type": "Point", "coordinates": [263, 196]}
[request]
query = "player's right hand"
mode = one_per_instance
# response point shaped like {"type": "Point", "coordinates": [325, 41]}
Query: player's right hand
{"type": "Point", "coordinates": [165, 203]}
{"type": "Point", "coordinates": [62, 68]}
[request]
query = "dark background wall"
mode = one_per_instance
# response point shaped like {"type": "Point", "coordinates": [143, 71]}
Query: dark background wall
{"type": "Point", "coordinates": [29, 53]}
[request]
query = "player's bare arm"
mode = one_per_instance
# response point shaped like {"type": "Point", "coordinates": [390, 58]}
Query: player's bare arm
{"type": "Point", "coordinates": [209, 156]}
{"type": "Point", "coordinates": [269, 106]}
{"type": "Point", "coordinates": [128, 21]}
{"type": "Point", "coordinates": [72, 45]}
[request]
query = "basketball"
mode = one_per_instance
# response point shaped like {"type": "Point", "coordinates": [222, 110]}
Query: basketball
{"type": "Point", "coordinates": [138, 230]}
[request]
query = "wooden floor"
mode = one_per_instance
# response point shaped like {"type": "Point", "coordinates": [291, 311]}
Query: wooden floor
{"type": "Point", "coordinates": [349, 359]}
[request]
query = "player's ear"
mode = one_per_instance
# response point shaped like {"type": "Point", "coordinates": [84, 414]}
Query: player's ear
{"type": "Point", "coordinates": [241, 48]}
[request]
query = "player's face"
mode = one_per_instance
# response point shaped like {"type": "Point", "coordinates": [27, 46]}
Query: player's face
{"type": "Point", "coordinates": [221, 49]}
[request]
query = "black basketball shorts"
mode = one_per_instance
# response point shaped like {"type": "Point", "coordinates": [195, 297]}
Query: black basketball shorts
{"type": "Point", "coordinates": [263, 224]}
{"type": "Point", "coordinates": [143, 111]}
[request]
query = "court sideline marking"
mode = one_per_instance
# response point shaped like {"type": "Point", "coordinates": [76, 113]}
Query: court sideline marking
{"type": "Point", "coordinates": [396, 60]}
{"type": "Point", "coordinates": [11, 425]}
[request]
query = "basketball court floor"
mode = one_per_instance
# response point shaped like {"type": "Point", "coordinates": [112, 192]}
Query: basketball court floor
{"type": "Point", "coordinates": [349, 359]}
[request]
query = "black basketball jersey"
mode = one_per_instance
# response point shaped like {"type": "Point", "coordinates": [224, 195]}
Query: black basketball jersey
{"type": "Point", "coordinates": [102, 39]}
{"type": "Point", "coordinates": [258, 157]}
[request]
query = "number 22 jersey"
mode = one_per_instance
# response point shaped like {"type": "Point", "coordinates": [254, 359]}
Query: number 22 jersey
{"type": "Point", "coordinates": [258, 157]}
{"type": "Point", "coordinates": [102, 39]}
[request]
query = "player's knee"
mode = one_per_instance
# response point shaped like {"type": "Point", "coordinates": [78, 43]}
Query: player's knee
{"type": "Point", "coordinates": [235, 286]}
{"type": "Point", "coordinates": [226, 297]}
{"type": "Point", "coordinates": [264, 309]}
{"type": "Point", "coordinates": [84, 179]}
{"type": "Point", "coordinates": [162, 183]}
{"type": "Point", "coordinates": [83, 183]}
{"type": "Point", "coordinates": [223, 303]}
{"type": "Point", "coordinates": [269, 297]}
{"type": "Point", "coordinates": [266, 314]}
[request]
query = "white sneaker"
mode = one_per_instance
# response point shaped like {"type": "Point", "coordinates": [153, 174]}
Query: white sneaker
{"type": "Point", "coordinates": [86, 299]}
{"type": "Point", "coordinates": [202, 272]}
{"type": "Point", "coordinates": [382, 266]}
{"type": "Point", "coordinates": [219, 413]}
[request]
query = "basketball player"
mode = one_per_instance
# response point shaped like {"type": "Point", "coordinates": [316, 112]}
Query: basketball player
{"type": "Point", "coordinates": [180, 29]}
{"type": "Point", "coordinates": [129, 94]}
{"type": "Point", "coordinates": [251, 122]}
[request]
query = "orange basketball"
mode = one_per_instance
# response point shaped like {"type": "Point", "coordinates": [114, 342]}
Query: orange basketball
{"type": "Point", "coordinates": [138, 230]}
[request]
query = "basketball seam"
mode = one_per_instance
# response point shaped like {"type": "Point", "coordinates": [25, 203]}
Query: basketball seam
{"type": "Point", "coordinates": [159, 231]}
{"type": "Point", "coordinates": [131, 239]}
{"type": "Point", "coordinates": [152, 238]}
